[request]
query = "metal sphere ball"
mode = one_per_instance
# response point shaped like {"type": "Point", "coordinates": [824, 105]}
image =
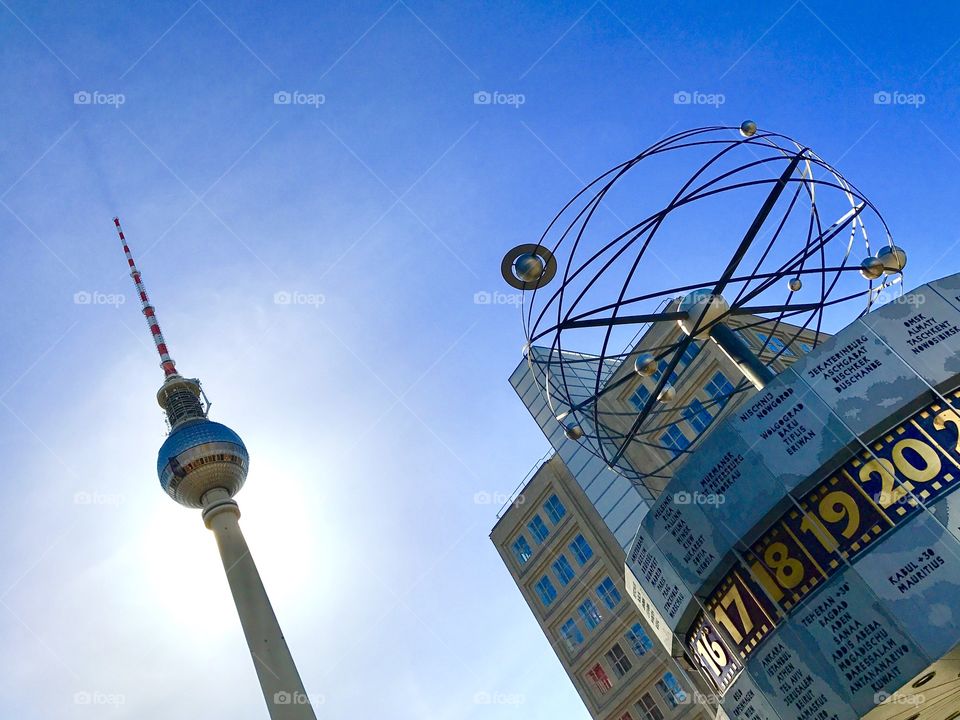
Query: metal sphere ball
{"type": "Point", "coordinates": [748, 128]}
{"type": "Point", "coordinates": [794, 284]}
{"type": "Point", "coordinates": [668, 394]}
{"type": "Point", "coordinates": [645, 365]}
{"type": "Point", "coordinates": [894, 259]}
{"type": "Point", "coordinates": [528, 267]}
{"type": "Point", "coordinates": [199, 456]}
{"type": "Point", "coordinates": [703, 309]}
{"type": "Point", "coordinates": [871, 267]}
{"type": "Point", "coordinates": [572, 431]}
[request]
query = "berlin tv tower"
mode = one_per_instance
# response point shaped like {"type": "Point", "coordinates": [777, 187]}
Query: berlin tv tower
{"type": "Point", "coordinates": [203, 464]}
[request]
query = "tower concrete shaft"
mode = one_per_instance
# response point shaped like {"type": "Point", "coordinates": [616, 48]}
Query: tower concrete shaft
{"type": "Point", "coordinates": [282, 687]}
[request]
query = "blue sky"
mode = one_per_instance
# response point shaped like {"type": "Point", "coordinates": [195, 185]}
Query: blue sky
{"type": "Point", "coordinates": [375, 404]}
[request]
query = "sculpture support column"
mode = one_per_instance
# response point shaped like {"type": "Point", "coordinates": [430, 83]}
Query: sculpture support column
{"type": "Point", "coordinates": [740, 355]}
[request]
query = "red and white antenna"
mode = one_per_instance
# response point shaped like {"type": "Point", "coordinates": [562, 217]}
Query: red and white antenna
{"type": "Point", "coordinates": [166, 362]}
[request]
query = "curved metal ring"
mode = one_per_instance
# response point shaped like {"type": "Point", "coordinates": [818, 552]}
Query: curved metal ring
{"type": "Point", "coordinates": [549, 266]}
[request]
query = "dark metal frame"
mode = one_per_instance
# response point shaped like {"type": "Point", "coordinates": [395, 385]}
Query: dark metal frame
{"type": "Point", "coordinates": [549, 312]}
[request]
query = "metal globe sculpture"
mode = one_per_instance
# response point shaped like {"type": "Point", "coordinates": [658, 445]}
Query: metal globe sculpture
{"type": "Point", "coordinates": [715, 230]}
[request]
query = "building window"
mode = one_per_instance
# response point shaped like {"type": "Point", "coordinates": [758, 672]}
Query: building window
{"type": "Point", "coordinates": [674, 440]}
{"type": "Point", "coordinates": [555, 509]}
{"type": "Point", "coordinates": [697, 415]}
{"type": "Point", "coordinates": [773, 344]}
{"type": "Point", "coordinates": [640, 397]}
{"type": "Point", "coordinates": [719, 388]}
{"type": "Point", "coordinates": [693, 349]}
{"type": "Point", "coordinates": [570, 632]}
{"type": "Point", "coordinates": [563, 570]}
{"type": "Point", "coordinates": [649, 710]}
{"type": "Point", "coordinates": [670, 690]}
{"type": "Point", "coordinates": [804, 347]}
{"type": "Point", "coordinates": [661, 366]}
{"type": "Point", "coordinates": [599, 679]}
{"type": "Point", "coordinates": [581, 549]}
{"type": "Point", "coordinates": [608, 593]}
{"type": "Point", "coordinates": [521, 550]}
{"type": "Point", "coordinates": [591, 616]}
{"type": "Point", "coordinates": [619, 661]}
{"type": "Point", "coordinates": [638, 639]}
{"type": "Point", "coordinates": [538, 528]}
{"type": "Point", "coordinates": [545, 591]}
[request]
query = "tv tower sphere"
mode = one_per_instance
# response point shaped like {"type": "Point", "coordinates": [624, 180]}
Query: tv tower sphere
{"type": "Point", "coordinates": [199, 456]}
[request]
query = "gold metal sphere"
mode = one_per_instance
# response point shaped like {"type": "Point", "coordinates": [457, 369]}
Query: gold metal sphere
{"type": "Point", "coordinates": [748, 128]}
{"type": "Point", "coordinates": [894, 259]}
{"type": "Point", "coordinates": [645, 365]}
{"type": "Point", "coordinates": [668, 394]}
{"type": "Point", "coordinates": [794, 284]}
{"type": "Point", "coordinates": [528, 267]}
{"type": "Point", "coordinates": [871, 267]}
{"type": "Point", "coordinates": [572, 431]}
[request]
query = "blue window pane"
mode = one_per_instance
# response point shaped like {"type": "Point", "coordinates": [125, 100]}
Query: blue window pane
{"type": "Point", "coordinates": [640, 397]}
{"type": "Point", "coordinates": [608, 593]}
{"type": "Point", "coordinates": [661, 366]}
{"type": "Point", "coordinates": [805, 347]}
{"type": "Point", "coordinates": [555, 509]}
{"type": "Point", "coordinates": [563, 570]}
{"type": "Point", "coordinates": [538, 528]}
{"type": "Point", "coordinates": [545, 590]}
{"type": "Point", "coordinates": [697, 415]}
{"type": "Point", "coordinates": [638, 639]}
{"type": "Point", "coordinates": [581, 549]}
{"type": "Point", "coordinates": [521, 550]}
{"type": "Point", "coordinates": [670, 690]}
{"type": "Point", "coordinates": [571, 634]}
{"type": "Point", "coordinates": [693, 349]}
{"type": "Point", "coordinates": [719, 388]}
{"type": "Point", "coordinates": [773, 344]}
{"type": "Point", "coordinates": [674, 440]}
{"type": "Point", "coordinates": [590, 614]}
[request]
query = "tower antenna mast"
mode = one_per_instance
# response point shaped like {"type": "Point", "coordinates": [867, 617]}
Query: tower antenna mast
{"type": "Point", "coordinates": [166, 362]}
